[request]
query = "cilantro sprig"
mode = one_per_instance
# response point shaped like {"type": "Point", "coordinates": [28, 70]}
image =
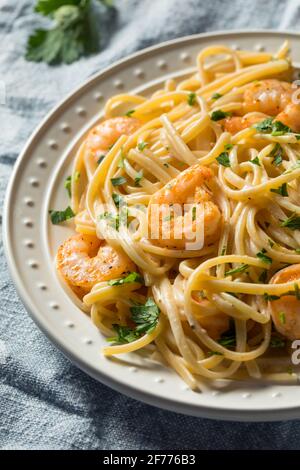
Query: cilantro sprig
{"type": "Point", "coordinates": [73, 35]}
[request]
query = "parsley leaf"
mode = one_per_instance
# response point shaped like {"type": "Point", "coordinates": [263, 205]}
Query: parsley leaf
{"type": "Point", "coordinates": [255, 161]}
{"type": "Point", "coordinates": [240, 269]}
{"type": "Point", "coordinates": [276, 342]}
{"type": "Point", "coordinates": [131, 277]}
{"type": "Point", "coordinates": [142, 145]}
{"type": "Point", "coordinates": [72, 35]}
{"type": "Point", "coordinates": [282, 318]}
{"type": "Point", "coordinates": [192, 99]}
{"type": "Point", "coordinates": [270, 297]}
{"type": "Point", "coordinates": [223, 159]}
{"type": "Point", "coordinates": [264, 126]}
{"type": "Point", "coordinates": [118, 181]}
{"type": "Point", "coordinates": [227, 340]}
{"type": "Point", "coordinates": [61, 216]}
{"type": "Point", "coordinates": [277, 153]}
{"type": "Point", "coordinates": [68, 184]}
{"type": "Point", "coordinates": [278, 128]}
{"type": "Point", "coordinates": [145, 316]}
{"type": "Point", "coordinates": [216, 96]}
{"type": "Point", "coordinates": [228, 146]}
{"type": "Point", "coordinates": [282, 190]}
{"type": "Point", "coordinates": [269, 126]}
{"type": "Point", "coordinates": [124, 335]}
{"type": "Point", "coordinates": [292, 222]}
{"type": "Point", "coordinates": [112, 220]}
{"type": "Point", "coordinates": [139, 175]}
{"type": "Point", "coordinates": [263, 257]}
{"type": "Point", "coordinates": [100, 159]}
{"type": "Point", "coordinates": [130, 112]}
{"type": "Point", "coordinates": [117, 198]}
{"type": "Point", "coordinates": [263, 276]}
{"type": "Point", "coordinates": [219, 114]}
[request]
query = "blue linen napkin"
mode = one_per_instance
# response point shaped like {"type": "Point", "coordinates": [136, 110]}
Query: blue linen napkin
{"type": "Point", "coordinates": [45, 401]}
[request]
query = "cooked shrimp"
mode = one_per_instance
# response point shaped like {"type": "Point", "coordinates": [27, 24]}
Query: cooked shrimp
{"type": "Point", "coordinates": [270, 97]}
{"type": "Point", "coordinates": [84, 260]}
{"type": "Point", "coordinates": [286, 310]}
{"type": "Point", "coordinates": [290, 116]}
{"type": "Point", "coordinates": [175, 227]}
{"type": "Point", "coordinates": [104, 135]}
{"type": "Point", "coordinates": [267, 96]}
{"type": "Point", "coordinates": [215, 324]}
{"type": "Point", "coordinates": [235, 124]}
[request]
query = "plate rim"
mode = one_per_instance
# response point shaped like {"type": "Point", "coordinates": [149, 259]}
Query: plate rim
{"type": "Point", "coordinates": [199, 410]}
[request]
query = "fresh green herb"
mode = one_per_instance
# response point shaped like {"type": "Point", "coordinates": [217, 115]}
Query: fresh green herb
{"type": "Point", "coordinates": [129, 279]}
{"type": "Point", "coordinates": [124, 335]}
{"type": "Point", "coordinates": [255, 161]}
{"type": "Point", "coordinates": [68, 185]}
{"type": "Point", "coordinates": [278, 128]}
{"type": "Point", "coordinates": [282, 318]}
{"type": "Point", "coordinates": [270, 297]}
{"type": "Point", "coordinates": [142, 145]}
{"type": "Point", "coordinates": [139, 175]}
{"type": "Point", "coordinates": [297, 251]}
{"type": "Point", "coordinates": [263, 276]}
{"type": "Point", "coordinates": [223, 159]}
{"type": "Point", "coordinates": [112, 219]}
{"type": "Point", "coordinates": [68, 182]}
{"type": "Point", "coordinates": [130, 112]}
{"type": "Point", "coordinates": [282, 190]}
{"type": "Point", "coordinates": [118, 181]}
{"type": "Point", "coordinates": [219, 114]}
{"type": "Point", "coordinates": [216, 96]}
{"type": "Point", "coordinates": [61, 216]}
{"type": "Point", "coordinates": [194, 212]}
{"type": "Point", "coordinates": [276, 342]}
{"type": "Point", "coordinates": [263, 257]}
{"type": "Point", "coordinates": [223, 252]}
{"type": "Point", "coordinates": [264, 126]}
{"type": "Point", "coordinates": [227, 341]}
{"type": "Point", "coordinates": [277, 154]}
{"type": "Point", "coordinates": [292, 222]}
{"type": "Point", "coordinates": [145, 316]}
{"type": "Point", "coordinates": [192, 99]}
{"type": "Point", "coordinates": [297, 291]}
{"type": "Point", "coordinates": [100, 159]}
{"type": "Point", "coordinates": [117, 198]}
{"type": "Point", "coordinates": [214, 353]}
{"type": "Point", "coordinates": [228, 147]}
{"type": "Point", "coordinates": [240, 269]}
{"type": "Point", "coordinates": [269, 126]}
{"type": "Point", "coordinates": [169, 217]}
{"type": "Point", "coordinates": [271, 243]}
{"type": "Point", "coordinates": [74, 32]}
{"type": "Point", "coordinates": [166, 165]}
{"type": "Point", "coordinates": [290, 370]}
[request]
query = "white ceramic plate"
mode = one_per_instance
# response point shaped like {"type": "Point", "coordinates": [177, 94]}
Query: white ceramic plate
{"type": "Point", "coordinates": [31, 241]}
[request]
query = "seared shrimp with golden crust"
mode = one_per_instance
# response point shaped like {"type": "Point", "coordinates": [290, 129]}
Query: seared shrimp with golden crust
{"type": "Point", "coordinates": [84, 260]}
{"type": "Point", "coordinates": [175, 227]}
{"type": "Point", "coordinates": [104, 135]}
{"type": "Point", "coordinates": [270, 97]}
{"type": "Point", "coordinates": [286, 310]}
